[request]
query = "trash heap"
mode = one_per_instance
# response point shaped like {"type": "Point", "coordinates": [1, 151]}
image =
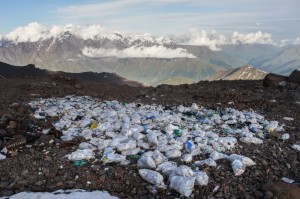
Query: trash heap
{"type": "Point", "coordinates": [164, 139]}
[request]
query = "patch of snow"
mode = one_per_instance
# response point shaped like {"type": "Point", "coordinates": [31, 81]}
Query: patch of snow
{"type": "Point", "coordinates": [63, 194]}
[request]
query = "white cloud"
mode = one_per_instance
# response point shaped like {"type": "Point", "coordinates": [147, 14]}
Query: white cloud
{"type": "Point", "coordinates": [251, 38]}
{"type": "Point", "coordinates": [31, 33]}
{"type": "Point", "coordinates": [214, 40]}
{"type": "Point", "coordinates": [138, 52]}
{"type": "Point", "coordinates": [297, 41]}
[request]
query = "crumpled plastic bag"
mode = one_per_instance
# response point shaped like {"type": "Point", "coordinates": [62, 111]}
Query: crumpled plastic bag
{"type": "Point", "coordinates": [184, 171]}
{"type": "Point", "coordinates": [215, 155]}
{"type": "Point", "coordinates": [187, 158]}
{"type": "Point", "coordinates": [238, 167]}
{"type": "Point", "coordinates": [167, 167]}
{"type": "Point", "coordinates": [152, 138]}
{"type": "Point", "coordinates": [158, 157]}
{"type": "Point", "coordinates": [152, 177]}
{"type": "Point", "coordinates": [131, 144]}
{"type": "Point", "coordinates": [189, 146]}
{"type": "Point", "coordinates": [84, 154]}
{"type": "Point", "coordinates": [201, 178]}
{"type": "Point", "coordinates": [252, 140]}
{"type": "Point", "coordinates": [245, 160]}
{"type": "Point", "coordinates": [112, 157]}
{"type": "Point", "coordinates": [146, 162]}
{"type": "Point", "coordinates": [183, 185]}
{"type": "Point", "coordinates": [209, 162]}
{"type": "Point", "coordinates": [173, 153]}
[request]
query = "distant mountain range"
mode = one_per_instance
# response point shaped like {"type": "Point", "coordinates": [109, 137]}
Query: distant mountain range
{"type": "Point", "coordinates": [7, 71]}
{"type": "Point", "coordinates": [146, 59]}
{"type": "Point", "coordinates": [246, 72]}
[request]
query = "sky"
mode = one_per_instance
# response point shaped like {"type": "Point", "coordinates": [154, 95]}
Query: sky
{"type": "Point", "coordinates": [279, 18]}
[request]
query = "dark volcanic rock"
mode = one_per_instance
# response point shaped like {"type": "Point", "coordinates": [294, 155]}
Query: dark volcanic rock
{"type": "Point", "coordinates": [294, 77]}
{"type": "Point", "coordinates": [273, 80]}
{"type": "Point", "coordinates": [281, 190]}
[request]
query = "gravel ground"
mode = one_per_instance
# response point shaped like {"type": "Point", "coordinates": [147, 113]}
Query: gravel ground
{"type": "Point", "coordinates": [35, 163]}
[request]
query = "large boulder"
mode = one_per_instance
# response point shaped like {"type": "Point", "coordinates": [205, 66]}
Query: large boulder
{"type": "Point", "coordinates": [272, 79]}
{"type": "Point", "coordinates": [294, 77]}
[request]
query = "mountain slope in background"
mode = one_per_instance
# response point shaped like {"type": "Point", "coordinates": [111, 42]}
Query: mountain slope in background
{"type": "Point", "coordinates": [246, 72]}
{"type": "Point", "coordinates": [7, 70]}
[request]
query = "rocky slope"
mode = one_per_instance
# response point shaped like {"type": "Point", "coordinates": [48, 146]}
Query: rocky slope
{"type": "Point", "coordinates": [246, 72]}
{"type": "Point", "coordinates": [7, 71]}
{"type": "Point", "coordinates": [39, 162]}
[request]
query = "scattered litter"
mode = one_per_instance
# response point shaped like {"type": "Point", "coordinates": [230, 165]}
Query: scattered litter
{"type": "Point", "coordinates": [154, 135]}
{"type": "Point", "coordinates": [78, 163]}
{"type": "Point", "coordinates": [238, 167]}
{"type": "Point", "coordinates": [201, 178]}
{"type": "Point", "coordinates": [296, 147]}
{"type": "Point", "coordinates": [288, 118]}
{"type": "Point", "coordinates": [287, 180]}
{"type": "Point", "coordinates": [251, 140]}
{"type": "Point", "coordinates": [285, 136]}
{"type": "Point", "coordinates": [2, 157]}
{"type": "Point", "coordinates": [216, 188]}
{"type": "Point", "coordinates": [81, 154]}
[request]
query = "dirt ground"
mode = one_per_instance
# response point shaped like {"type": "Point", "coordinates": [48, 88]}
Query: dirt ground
{"type": "Point", "coordinates": [34, 164]}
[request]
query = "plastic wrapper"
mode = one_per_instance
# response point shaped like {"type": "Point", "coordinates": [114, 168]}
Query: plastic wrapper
{"type": "Point", "coordinates": [84, 154]}
{"type": "Point", "coordinates": [131, 144]}
{"type": "Point", "coordinates": [285, 136]}
{"type": "Point", "coordinates": [173, 153]}
{"type": "Point", "coordinates": [209, 162]}
{"type": "Point", "coordinates": [183, 185]}
{"type": "Point", "coordinates": [201, 178]}
{"type": "Point", "coordinates": [2, 157]}
{"type": "Point", "coordinates": [189, 146]}
{"type": "Point", "coordinates": [152, 138]}
{"type": "Point", "coordinates": [184, 171]}
{"type": "Point", "coordinates": [187, 158]}
{"type": "Point", "coordinates": [167, 167]}
{"type": "Point", "coordinates": [152, 177]}
{"type": "Point", "coordinates": [272, 126]}
{"type": "Point", "coordinates": [146, 162]}
{"type": "Point", "coordinates": [238, 167]}
{"type": "Point", "coordinates": [133, 151]}
{"type": "Point", "coordinates": [158, 157]}
{"type": "Point", "coordinates": [112, 157]}
{"type": "Point", "coordinates": [251, 140]}
{"type": "Point", "coordinates": [245, 160]}
{"type": "Point", "coordinates": [215, 155]}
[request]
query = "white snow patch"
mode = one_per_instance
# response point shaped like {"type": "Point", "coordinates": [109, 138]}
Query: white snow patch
{"type": "Point", "coordinates": [61, 194]}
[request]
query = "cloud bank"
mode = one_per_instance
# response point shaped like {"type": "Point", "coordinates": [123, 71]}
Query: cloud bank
{"type": "Point", "coordinates": [35, 32]}
{"type": "Point", "coordinates": [214, 40]}
{"type": "Point", "coordinates": [138, 52]}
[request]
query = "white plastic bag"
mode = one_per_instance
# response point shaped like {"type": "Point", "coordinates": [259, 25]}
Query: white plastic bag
{"type": "Point", "coordinates": [152, 177]}
{"type": "Point", "coordinates": [187, 158]}
{"type": "Point", "coordinates": [183, 185]}
{"type": "Point", "coordinates": [209, 162]}
{"type": "Point", "coordinates": [131, 144]}
{"type": "Point", "coordinates": [238, 167]}
{"type": "Point", "coordinates": [252, 140]}
{"type": "Point", "coordinates": [215, 155]}
{"type": "Point", "coordinates": [152, 138]}
{"type": "Point", "coordinates": [84, 154]}
{"type": "Point", "coordinates": [167, 167]}
{"type": "Point", "coordinates": [184, 171]}
{"type": "Point", "coordinates": [112, 157]}
{"type": "Point", "coordinates": [201, 178]}
{"type": "Point", "coordinates": [173, 153]}
{"type": "Point", "coordinates": [245, 160]}
{"type": "Point", "coordinates": [146, 162]}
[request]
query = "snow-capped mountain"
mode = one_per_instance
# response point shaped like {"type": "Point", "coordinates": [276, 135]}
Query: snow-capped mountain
{"type": "Point", "coordinates": [145, 58]}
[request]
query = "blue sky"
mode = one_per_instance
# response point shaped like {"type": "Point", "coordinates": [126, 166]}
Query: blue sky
{"type": "Point", "coordinates": [280, 18]}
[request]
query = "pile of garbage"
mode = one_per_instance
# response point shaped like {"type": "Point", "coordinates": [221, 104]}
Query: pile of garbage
{"type": "Point", "coordinates": [164, 139]}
